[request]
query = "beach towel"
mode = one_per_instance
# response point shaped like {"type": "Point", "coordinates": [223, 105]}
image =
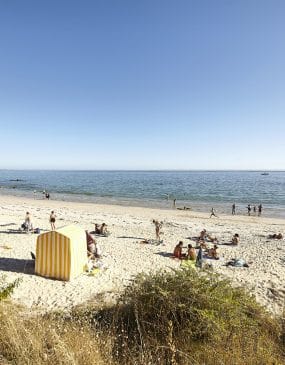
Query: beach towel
{"type": "Point", "coordinates": [188, 264]}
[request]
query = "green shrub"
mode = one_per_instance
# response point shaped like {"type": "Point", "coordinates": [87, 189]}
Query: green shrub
{"type": "Point", "coordinates": [7, 289]}
{"type": "Point", "coordinates": [187, 317]}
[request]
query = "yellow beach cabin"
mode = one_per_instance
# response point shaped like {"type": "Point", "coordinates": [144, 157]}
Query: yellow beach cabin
{"type": "Point", "coordinates": [61, 254]}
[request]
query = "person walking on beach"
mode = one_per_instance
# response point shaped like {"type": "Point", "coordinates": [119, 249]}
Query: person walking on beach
{"type": "Point", "coordinates": [254, 209]}
{"type": "Point", "coordinates": [260, 210]}
{"type": "Point", "coordinates": [174, 203]}
{"type": "Point", "coordinates": [248, 209]}
{"type": "Point", "coordinates": [213, 213]}
{"type": "Point", "coordinates": [234, 209]}
{"type": "Point", "coordinates": [52, 220]}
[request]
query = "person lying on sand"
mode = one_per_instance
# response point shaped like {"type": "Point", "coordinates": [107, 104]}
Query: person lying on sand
{"type": "Point", "coordinates": [191, 254]}
{"type": "Point", "coordinates": [277, 236]}
{"type": "Point", "coordinates": [158, 226]}
{"type": "Point", "coordinates": [213, 253]}
{"type": "Point", "coordinates": [235, 239]}
{"type": "Point", "coordinates": [177, 253]}
{"type": "Point", "coordinates": [213, 239]}
{"type": "Point", "coordinates": [238, 263]}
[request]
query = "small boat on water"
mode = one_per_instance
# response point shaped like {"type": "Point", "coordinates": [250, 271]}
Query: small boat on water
{"type": "Point", "coordinates": [265, 174]}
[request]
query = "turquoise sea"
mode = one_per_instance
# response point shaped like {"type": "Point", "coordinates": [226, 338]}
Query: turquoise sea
{"type": "Point", "coordinates": [199, 190]}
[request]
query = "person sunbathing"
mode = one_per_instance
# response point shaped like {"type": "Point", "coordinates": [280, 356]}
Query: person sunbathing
{"type": "Point", "coordinates": [278, 236]}
{"type": "Point", "coordinates": [213, 239]}
{"type": "Point", "coordinates": [178, 251]}
{"type": "Point", "coordinates": [203, 235]}
{"type": "Point", "coordinates": [191, 254]}
{"type": "Point", "coordinates": [235, 239]}
{"type": "Point", "coordinates": [213, 253]}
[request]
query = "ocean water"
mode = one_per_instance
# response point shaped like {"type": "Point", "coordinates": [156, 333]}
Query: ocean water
{"type": "Point", "coordinates": [199, 190]}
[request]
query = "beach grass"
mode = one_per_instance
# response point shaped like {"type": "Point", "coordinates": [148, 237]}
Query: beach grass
{"type": "Point", "coordinates": [176, 317]}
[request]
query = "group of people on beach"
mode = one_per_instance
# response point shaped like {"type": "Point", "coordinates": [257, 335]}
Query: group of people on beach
{"type": "Point", "coordinates": [250, 209]}
{"type": "Point", "coordinates": [27, 225]}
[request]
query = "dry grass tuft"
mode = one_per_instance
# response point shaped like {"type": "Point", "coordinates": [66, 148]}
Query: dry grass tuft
{"type": "Point", "coordinates": [176, 318]}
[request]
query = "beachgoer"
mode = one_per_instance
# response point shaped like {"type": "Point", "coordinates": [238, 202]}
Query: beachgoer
{"type": "Point", "coordinates": [260, 209]}
{"type": "Point", "coordinates": [52, 220]}
{"type": "Point", "coordinates": [233, 209]}
{"type": "Point", "coordinates": [178, 251]}
{"type": "Point", "coordinates": [277, 236]}
{"type": "Point", "coordinates": [103, 229]}
{"type": "Point", "coordinates": [254, 209]}
{"type": "Point", "coordinates": [213, 213]}
{"type": "Point", "coordinates": [27, 225]}
{"type": "Point", "coordinates": [248, 209]}
{"type": "Point", "coordinates": [199, 259]}
{"type": "Point", "coordinates": [212, 238]}
{"type": "Point", "coordinates": [235, 239]}
{"type": "Point", "coordinates": [158, 226]}
{"type": "Point", "coordinates": [203, 235]}
{"type": "Point", "coordinates": [174, 203]}
{"type": "Point", "coordinates": [97, 228]}
{"type": "Point", "coordinates": [212, 252]}
{"type": "Point", "coordinates": [47, 196]}
{"type": "Point", "coordinates": [93, 249]}
{"type": "Point", "coordinates": [191, 254]}
{"type": "Point", "coordinates": [238, 263]}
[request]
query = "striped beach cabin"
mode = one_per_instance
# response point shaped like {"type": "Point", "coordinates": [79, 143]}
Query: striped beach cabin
{"type": "Point", "coordinates": [61, 254]}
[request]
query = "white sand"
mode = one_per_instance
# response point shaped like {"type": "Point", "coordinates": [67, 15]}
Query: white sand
{"type": "Point", "coordinates": [124, 256]}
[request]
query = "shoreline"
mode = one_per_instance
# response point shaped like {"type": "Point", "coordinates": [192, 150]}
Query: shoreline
{"type": "Point", "coordinates": [124, 256]}
{"type": "Point", "coordinates": [191, 213]}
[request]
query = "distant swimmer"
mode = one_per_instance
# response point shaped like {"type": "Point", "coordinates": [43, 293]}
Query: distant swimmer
{"type": "Point", "coordinates": [234, 209]}
{"type": "Point", "coordinates": [213, 213]}
{"type": "Point", "coordinates": [260, 209]}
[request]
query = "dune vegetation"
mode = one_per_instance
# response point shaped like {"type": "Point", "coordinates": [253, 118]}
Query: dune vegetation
{"type": "Point", "coordinates": [174, 317]}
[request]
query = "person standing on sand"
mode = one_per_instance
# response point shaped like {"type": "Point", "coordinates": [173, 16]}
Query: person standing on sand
{"type": "Point", "coordinates": [158, 226]}
{"type": "Point", "coordinates": [248, 209]}
{"type": "Point", "coordinates": [174, 203]}
{"type": "Point", "coordinates": [234, 209]}
{"type": "Point", "coordinates": [52, 220]}
{"type": "Point", "coordinates": [213, 213]}
{"type": "Point", "coordinates": [260, 210]}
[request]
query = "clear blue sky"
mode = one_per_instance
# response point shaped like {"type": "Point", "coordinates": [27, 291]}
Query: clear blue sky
{"type": "Point", "coordinates": [142, 84]}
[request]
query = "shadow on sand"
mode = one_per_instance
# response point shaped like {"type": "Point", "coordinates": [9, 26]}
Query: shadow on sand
{"type": "Point", "coordinates": [17, 265]}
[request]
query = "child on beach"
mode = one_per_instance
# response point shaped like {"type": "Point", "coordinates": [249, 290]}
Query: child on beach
{"type": "Point", "coordinates": [52, 220]}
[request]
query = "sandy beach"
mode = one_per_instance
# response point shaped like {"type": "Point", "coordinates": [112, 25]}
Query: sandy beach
{"type": "Point", "coordinates": [124, 256]}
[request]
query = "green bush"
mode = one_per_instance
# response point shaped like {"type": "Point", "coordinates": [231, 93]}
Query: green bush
{"type": "Point", "coordinates": [189, 317]}
{"type": "Point", "coordinates": [7, 289]}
